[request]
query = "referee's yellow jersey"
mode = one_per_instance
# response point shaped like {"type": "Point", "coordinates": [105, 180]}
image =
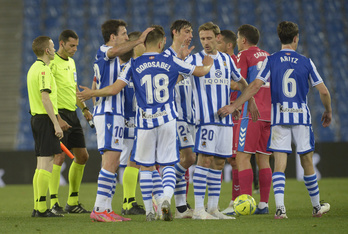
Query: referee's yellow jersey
{"type": "Point", "coordinates": [64, 71]}
{"type": "Point", "coordinates": [40, 79]}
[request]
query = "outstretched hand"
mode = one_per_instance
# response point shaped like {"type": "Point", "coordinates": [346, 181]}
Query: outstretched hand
{"type": "Point", "coordinates": [184, 50]}
{"type": "Point", "coordinates": [85, 94]}
{"type": "Point", "coordinates": [226, 110]}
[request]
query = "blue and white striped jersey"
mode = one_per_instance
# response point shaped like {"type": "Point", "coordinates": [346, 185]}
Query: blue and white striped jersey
{"type": "Point", "coordinates": [130, 105]}
{"type": "Point", "coordinates": [183, 97]}
{"type": "Point", "coordinates": [212, 91]}
{"type": "Point", "coordinates": [106, 72]}
{"type": "Point", "coordinates": [154, 76]}
{"type": "Point", "coordinates": [289, 74]}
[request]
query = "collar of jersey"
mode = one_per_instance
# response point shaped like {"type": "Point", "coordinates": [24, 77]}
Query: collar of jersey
{"type": "Point", "coordinates": [173, 51]}
{"type": "Point", "coordinates": [287, 50]}
{"type": "Point", "coordinates": [213, 56]}
{"type": "Point", "coordinates": [150, 53]}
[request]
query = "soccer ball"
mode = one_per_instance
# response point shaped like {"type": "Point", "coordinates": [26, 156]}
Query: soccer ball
{"type": "Point", "coordinates": [244, 205]}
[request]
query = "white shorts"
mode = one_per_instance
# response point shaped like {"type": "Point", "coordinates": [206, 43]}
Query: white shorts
{"type": "Point", "coordinates": [158, 145]}
{"type": "Point", "coordinates": [126, 151]}
{"type": "Point", "coordinates": [214, 140]}
{"type": "Point", "coordinates": [186, 133]}
{"type": "Point", "coordinates": [282, 136]}
{"type": "Point", "coordinates": [110, 132]}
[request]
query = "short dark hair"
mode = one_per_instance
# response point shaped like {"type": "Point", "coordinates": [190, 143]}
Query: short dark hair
{"type": "Point", "coordinates": [178, 25]}
{"type": "Point", "coordinates": [229, 37]}
{"type": "Point", "coordinates": [210, 26]}
{"type": "Point", "coordinates": [111, 27]}
{"type": "Point", "coordinates": [40, 44]}
{"type": "Point", "coordinates": [132, 37]}
{"type": "Point", "coordinates": [287, 30]}
{"type": "Point", "coordinates": [251, 33]}
{"type": "Point", "coordinates": [66, 34]}
{"type": "Point", "coordinates": [155, 35]}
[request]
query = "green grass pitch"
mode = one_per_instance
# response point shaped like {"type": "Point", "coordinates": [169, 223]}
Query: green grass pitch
{"type": "Point", "coordinates": [16, 204]}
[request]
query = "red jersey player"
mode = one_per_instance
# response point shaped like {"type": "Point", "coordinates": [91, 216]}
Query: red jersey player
{"type": "Point", "coordinates": [253, 136]}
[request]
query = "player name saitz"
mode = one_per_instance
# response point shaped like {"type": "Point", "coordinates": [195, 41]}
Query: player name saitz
{"type": "Point", "coordinates": [144, 66]}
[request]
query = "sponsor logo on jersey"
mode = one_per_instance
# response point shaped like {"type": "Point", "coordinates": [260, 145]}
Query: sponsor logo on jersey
{"type": "Point", "coordinates": [108, 125]}
{"type": "Point", "coordinates": [218, 73]}
{"type": "Point", "coordinates": [216, 81]}
{"type": "Point", "coordinates": [144, 115]}
{"type": "Point", "coordinates": [291, 110]}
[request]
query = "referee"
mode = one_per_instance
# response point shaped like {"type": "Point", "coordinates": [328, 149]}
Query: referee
{"type": "Point", "coordinates": [42, 92]}
{"type": "Point", "coordinates": [64, 70]}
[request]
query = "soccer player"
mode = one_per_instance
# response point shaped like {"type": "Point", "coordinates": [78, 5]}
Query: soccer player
{"type": "Point", "coordinates": [154, 76]}
{"type": "Point", "coordinates": [290, 75]}
{"type": "Point", "coordinates": [64, 71]}
{"type": "Point", "coordinates": [214, 134]}
{"type": "Point", "coordinates": [108, 115]}
{"type": "Point", "coordinates": [131, 171]}
{"type": "Point", "coordinates": [253, 136]}
{"type": "Point", "coordinates": [181, 32]}
{"type": "Point", "coordinates": [226, 44]}
{"type": "Point", "coordinates": [42, 93]}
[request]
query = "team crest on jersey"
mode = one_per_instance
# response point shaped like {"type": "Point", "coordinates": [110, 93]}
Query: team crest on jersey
{"type": "Point", "coordinates": [152, 57]}
{"type": "Point", "coordinates": [117, 142]}
{"type": "Point", "coordinates": [218, 73]}
{"type": "Point", "coordinates": [185, 139]}
{"type": "Point", "coordinates": [204, 144]}
{"type": "Point", "coordinates": [225, 64]}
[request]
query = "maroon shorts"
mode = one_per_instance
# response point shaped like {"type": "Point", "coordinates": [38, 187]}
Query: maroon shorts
{"type": "Point", "coordinates": [253, 136]}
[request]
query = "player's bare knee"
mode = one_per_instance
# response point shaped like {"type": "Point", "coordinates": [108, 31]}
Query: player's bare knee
{"type": "Point", "coordinates": [218, 163]}
{"type": "Point", "coordinates": [59, 159]}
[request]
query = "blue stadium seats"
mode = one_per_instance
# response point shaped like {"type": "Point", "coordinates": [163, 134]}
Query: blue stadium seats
{"type": "Point", "coordinates": [322, 28]}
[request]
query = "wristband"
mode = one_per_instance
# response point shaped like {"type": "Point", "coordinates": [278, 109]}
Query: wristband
{"type": "Point", "coordinates": [85, 108]}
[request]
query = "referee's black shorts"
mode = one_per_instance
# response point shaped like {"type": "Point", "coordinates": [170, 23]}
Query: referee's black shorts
{"type": "Point", "coordinates": [73, 137]}
{"type": "Point", "coordinates": [46, 142]}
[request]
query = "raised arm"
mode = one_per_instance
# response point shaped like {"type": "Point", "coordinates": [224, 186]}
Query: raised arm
{"type": "Point", "coordinates": [127, 46]}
